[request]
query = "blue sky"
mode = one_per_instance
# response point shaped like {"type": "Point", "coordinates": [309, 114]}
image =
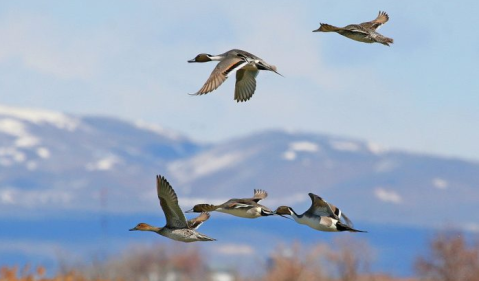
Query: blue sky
{"type": "Point", "coordinates": [128, 59]}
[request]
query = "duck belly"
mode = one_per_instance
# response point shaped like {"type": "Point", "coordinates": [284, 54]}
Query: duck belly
{"type": "Point", "coordinates": [357, 36]}
{"type": "Point", "coordinates": [318, 224]}
{"type": "Point", "coordinates": [183, 235]}
{"type": "Point", "coordinates": [250, 213]}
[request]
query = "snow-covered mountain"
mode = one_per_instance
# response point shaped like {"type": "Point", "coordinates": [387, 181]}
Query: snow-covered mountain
{"type": "Point", "coordinates": [56, 164]}
{"type": "Point", "coordinates": [51, 162]}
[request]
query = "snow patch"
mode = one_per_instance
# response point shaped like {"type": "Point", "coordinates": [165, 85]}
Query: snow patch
{"type": "Point", "coordinates": [384, 166]}
{"type": "Point", "coordinates": [38, 117]}
{"type": "Point", "coordinates": [205, 164]}
{"type": "Point", "coordinates": [157, 130]}
{"type": "Point", "coordinates": [103, 164]}
{"type": "Point", "coordinates": [345, 146]}
{"type": "Point", "coordinates": [305, 146]}
{"type": "Point", "coordinates": [375, 148]}
{"type": "Point", "coordinates": [43, 152]}
{"type": "Point", "coordinates": [440, 183]}
{"type": "Point", "coordinates": [387, 195]}
{"type": "Point", "coordinates": [300, 146]}
{"type": "Point", "coordinates": [289, 155]}
{"type": "Point", "coordinates": [18, 129]}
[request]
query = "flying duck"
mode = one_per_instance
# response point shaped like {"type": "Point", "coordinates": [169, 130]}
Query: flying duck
{"type": "Point", "coordinates": [177, 227]}
{"type": "Point", "coordinates": [321, 216]}
{"type": "Point", "coordinates": [244, 208]}
{"type": "Point", "coordinates": [363, 32]}
{"type": "Point", "coordinates": [246, 65]}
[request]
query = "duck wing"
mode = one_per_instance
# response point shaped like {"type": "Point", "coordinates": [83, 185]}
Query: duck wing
{"type": "Point", "coordinates": [199, 220]}
{"type": "Point", "coordinates": [220, 73]}
{"type": "Point", "coordinates": [259, 195]}
{"type": "Point", "coordinates": [169, 203]}
{"type": "Point", "coordinates": [355, 28]}
{"type": "Point", "coordinates": [245, 84]}
{"type": "Point", "coordinates": [245, 203]}
{"type": "Point", "coordinates": [381, 19]}
{"type": "Point", "coordinates": [320, 207]}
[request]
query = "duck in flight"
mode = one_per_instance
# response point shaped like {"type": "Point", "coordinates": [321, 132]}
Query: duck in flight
{"type": "Point", "coordinates": [177, 227]}
{"type": "Point", "coordinates": [321, 216]}
{"type": "Point", "coordinates": [246, 65]}
{"type": "Point", "coordinates": [244, 207]}
{"type": "Point", "coordinates": [364, 32]}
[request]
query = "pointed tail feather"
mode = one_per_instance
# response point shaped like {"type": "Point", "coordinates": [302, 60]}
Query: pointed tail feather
{"type": "Point", "coordinates": [203, 237]}
{"type": "Point", "coordinates": [343, 227]}
{"type": "Point", "coordinates": [386, 41]}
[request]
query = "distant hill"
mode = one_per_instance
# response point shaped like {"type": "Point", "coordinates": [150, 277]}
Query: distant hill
{"type": "Point", "coordinates": [52, 162]}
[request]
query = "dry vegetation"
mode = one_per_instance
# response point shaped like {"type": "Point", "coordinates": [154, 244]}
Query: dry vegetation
{"type": "Point", "coordinates": [449, 258]}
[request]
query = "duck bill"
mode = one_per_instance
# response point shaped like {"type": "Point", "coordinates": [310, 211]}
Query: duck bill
{"type": "Point", "coordinates": [192, 60]}
{"type": "Point", "coordinates": [316, 30]}
{"type": "Point", "coordinates": [132, 229]}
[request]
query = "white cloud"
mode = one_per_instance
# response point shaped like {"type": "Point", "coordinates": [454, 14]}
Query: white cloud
{"type": "Point", "coordinates": [387, 195]}
{"type": "Point", "coordinates": [32, 165]}
{"type": "Point", "coordinates": [6, 197]}
{"type": "Point", "coordinates": [104, 164]}
{"type": "Point", "coordinates": [34, 198]}
{"type": "Point", "coordinates": [11, 155]}
{"type": "Point", "coordinates": [472, 227]}
{"type": "Point", "coordinates": [440, 183]}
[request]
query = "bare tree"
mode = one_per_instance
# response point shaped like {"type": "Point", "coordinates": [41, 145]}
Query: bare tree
{"type": "Point", "coordinates": [154, 263]}
{"type": "Point", "coordinates": [350, 258]}
{"type": "Point", "coordinates": [295, 263]}
{"type": "Point", "coordinates": [450, 258]}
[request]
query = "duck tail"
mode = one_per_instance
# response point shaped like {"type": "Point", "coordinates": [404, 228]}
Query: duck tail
{"type": "Point", "coordinates": [386, 41]}
{"type": "Point", "coordinates": [324, 27]}
{"type": "Point", "coordinates": [203, 237]}
{"type": "Point", "coordinates": [343, 227]}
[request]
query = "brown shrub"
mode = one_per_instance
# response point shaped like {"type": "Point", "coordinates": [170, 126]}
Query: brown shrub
{"type": "Point", "coordinates": [449, 259]}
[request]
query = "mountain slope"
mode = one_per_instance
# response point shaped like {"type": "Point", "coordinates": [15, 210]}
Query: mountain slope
{"type": "Point", "coordinates": [51, 161]}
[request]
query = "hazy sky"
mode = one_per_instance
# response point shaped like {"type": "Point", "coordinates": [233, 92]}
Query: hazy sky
{"type": "Point", "coordinates": [128, 59]}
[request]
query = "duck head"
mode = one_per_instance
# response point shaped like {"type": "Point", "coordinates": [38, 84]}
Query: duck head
{"type": "Point", "coordinates": [145, 227]}
{"type": "Point", "coordinates": [284, 210]}
{"type": "Point", "coordinates": [202, 58]}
